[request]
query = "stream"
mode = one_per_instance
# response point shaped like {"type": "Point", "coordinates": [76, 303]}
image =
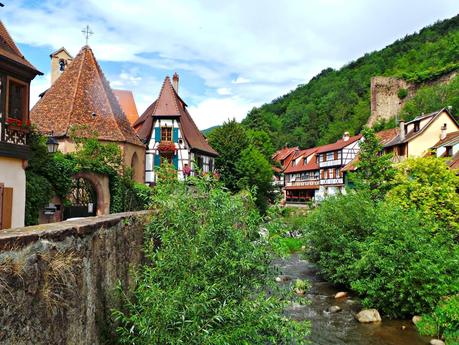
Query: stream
{"type": "Point", "coordinates": [340, 328]}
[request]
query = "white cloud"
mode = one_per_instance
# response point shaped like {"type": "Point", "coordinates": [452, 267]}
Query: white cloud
{"type": "Point", "coordinates": [224, 91]}
{"type": "Point", "coordinates": [254, 51]}
{"type": "Point", "coordinates": [241, 80]}
{"type": "Point", "coordinates": [38, 85]}
{"type": "Point", "coordinates": [213, 111]}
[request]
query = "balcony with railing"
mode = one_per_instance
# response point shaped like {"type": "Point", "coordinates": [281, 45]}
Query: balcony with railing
{"type": "Point", "coordinates": [332, 181]}
{"type": "Point", "coordinates": [303, 183]}
{"type": "Point", "coordinates": [330, 163]}
{"type": "Point", "coordinates": [13, 139]}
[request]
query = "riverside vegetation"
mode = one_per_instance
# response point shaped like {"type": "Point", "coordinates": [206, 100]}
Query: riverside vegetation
{"type": "Point", "coordinates": [208, 278]}
{"type": "Point", "coordinates": [394, 239]}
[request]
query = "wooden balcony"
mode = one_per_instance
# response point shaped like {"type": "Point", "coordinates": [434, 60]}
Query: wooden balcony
{"type": "Point", "coordinates": [332, 181]}
{"type": "Point", "coordinates": [13, 141]}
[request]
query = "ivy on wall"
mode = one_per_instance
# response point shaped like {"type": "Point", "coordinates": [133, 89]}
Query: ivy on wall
{"type": "Point", "coordinates": [48, 175]}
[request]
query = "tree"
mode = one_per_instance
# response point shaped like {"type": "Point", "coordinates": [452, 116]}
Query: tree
{"type": "Point", "coordinates": [256, 171]}
{"type": "Point", "coordinates": [375, 172]}
{"type": "Point", "coordinates": [229, 140]}
{"type": "Point", "coordinates": [244, 160]}
{"type": "Point", "coordinates": [427, 184]}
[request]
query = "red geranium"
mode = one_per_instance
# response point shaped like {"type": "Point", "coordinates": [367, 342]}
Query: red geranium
{"type": "Point", "coordinates": [166, 146]}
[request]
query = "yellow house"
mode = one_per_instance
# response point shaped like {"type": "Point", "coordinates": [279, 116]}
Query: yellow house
{"type": "Point", "coordinates": [416, 137]}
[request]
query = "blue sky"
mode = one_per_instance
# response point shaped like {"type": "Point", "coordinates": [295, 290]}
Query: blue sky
{"type": "Point", "coordinates": [231, 56]}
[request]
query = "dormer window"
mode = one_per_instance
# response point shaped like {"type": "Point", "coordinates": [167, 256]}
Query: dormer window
{"type": "Point", "coordinates": [416, 126]}
{"type": "Point", "coordinates": [449, 151]}
{"type": "Point", "coordinates": [61, 65]}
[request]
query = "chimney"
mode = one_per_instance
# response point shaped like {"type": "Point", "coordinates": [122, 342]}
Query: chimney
{"type": "Point", "coordinates": [401, 124]}
{"type": "Point", "coordinates": [443, 132]}
{"type": "Point", "coordinates": [346, 136]}
{"type": "Point", "coordinates": [175, 80]}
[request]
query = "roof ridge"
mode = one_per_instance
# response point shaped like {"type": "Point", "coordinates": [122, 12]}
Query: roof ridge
{"type": "Point", "coordinates": [102, 79]}
{"type": "Point", "coordinates": [77, 82]}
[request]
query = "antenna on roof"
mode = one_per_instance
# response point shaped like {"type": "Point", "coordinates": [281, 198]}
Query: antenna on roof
{"type": "Point", "coordinates": [87, 32]}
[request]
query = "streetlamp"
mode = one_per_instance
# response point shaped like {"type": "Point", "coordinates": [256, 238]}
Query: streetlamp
{"type": "Point", "coordinates": [52, 144]}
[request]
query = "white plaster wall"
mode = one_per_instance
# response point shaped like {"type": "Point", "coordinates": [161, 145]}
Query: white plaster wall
{"type": "Point", "coordinates": [12, 175]}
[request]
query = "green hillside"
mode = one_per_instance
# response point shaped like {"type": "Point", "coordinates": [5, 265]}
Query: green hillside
{"type": "Point", "coordinates": [208, 130]}
{"type": "Point", "coordinates": [338, 100]}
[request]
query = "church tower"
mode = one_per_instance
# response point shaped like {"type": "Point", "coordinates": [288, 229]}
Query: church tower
{"type": "Point", "coordinates": [60, 60]}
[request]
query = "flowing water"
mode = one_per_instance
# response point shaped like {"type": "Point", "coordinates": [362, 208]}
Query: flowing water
{"type": "Point", "coordinates": [340, 328]}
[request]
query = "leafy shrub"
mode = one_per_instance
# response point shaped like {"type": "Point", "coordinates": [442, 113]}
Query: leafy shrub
{"type": "Point", "coordinates": [402, 268]}
{"type": "Point", "coordinates": [334, 231]}
{"type": "Point", "coordinates": [443, 322]}
{"type": "Point", "coordinates": [402, 93]}
{"type": "Point", "coordinates": [428, 185]}
{"type": "Point", "coordinates": [206, 275]}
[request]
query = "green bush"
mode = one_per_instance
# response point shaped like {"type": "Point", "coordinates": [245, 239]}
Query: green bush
{"type": "Point", "coordinates": [207, 274]}
{"type": "Point", "coordinates": [443, 322]}
{"type": "Point", "coordinates": [402, 268]}
{"type": "Point", "coordinates": [402, 93]}
{"type": "Point", "coordinates": [428, 185]}
{"type": "Point", "coordinates": [334, 231]}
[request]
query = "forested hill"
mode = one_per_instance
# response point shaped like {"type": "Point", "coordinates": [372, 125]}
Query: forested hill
{"type": "Point", "coordinates": [338, 100]}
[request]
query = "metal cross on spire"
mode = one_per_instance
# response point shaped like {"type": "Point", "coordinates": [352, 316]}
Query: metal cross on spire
{"type": "Point", "coordinates": [87, 32]}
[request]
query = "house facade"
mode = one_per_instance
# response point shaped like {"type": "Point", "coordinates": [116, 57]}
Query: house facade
{"type": "Point", "coordinates": [302, 177]}
{"type": "Point", "coordinates": [282, 158]}
{"type": "Point", "coordinates": [448, 148]}
{"type": "Point", "coordinates": [416, 137]}
{"type": "Point", "coordinates": [172, 136]}
{"type": "Point", "coordinates": [332, 159]}
{"type": "Point", "coordinates": [16, 73]}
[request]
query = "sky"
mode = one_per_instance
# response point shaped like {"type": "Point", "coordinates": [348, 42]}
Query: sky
{"type": "Point", "coordinates": [230, 55]}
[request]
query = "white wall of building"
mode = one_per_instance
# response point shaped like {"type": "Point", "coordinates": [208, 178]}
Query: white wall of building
{"type": "Point", "coordinates": [12, 175]}
{"type": "Point", "coordinates": [185, 156]}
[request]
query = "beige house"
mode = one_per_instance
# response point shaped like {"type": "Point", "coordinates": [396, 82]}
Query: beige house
{"type": "Point", "coordinates": [16, 74]}
{"type": "Point", "coordinates": [416, 137]}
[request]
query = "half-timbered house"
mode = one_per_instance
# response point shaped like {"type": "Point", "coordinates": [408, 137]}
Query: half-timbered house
{"type": "Point", "coordinates": [172, 136]}
{"type": "Point", "coordinates": [16, 74]}
{"type": "Point", "coordinates": [332, 158]}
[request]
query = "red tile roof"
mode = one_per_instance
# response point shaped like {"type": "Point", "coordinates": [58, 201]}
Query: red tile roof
{"type": "Point", "coordinates": [387, 135]}
{"type": "Point", "coordinates": [9, 50]}
{"type": "Point", "coordinates": [82, 96]}
{"type": "Point", "coordinates": [284, 153]}
{"type": "Point", "coordinates": [301, 165]}
{"type": "Point", "coordinates": [452, 137]}
{"type": "Point", "coordinates": [338, 145]}
{"type": "Point", "coordinates": [169, 104]}
{"type": "Point", "coordinates": [127, 103]}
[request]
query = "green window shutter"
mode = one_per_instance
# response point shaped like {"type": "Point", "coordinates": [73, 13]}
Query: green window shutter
{"type": "Point", "coordinates": [175, 161]}
{"type": "Point", "coordinates": [157, 161]}
{"type": "Point", "coordinates": [157, 134]}
{"type": "Point", "coordinates": [175, 135]}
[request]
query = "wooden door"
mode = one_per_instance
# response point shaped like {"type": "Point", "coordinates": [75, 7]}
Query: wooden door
{"type": "Point", "coordinates": [7, 207]}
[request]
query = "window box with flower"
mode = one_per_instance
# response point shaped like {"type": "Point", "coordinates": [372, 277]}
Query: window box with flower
{"type": "Point", "coordinates": [166, 147]}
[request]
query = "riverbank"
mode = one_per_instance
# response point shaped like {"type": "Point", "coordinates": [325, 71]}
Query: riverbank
{"type": "Point", "coordinates": [340, 328]}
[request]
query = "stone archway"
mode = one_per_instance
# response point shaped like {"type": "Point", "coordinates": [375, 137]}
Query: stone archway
{"type": "Point", "coordinates": [100, 184]}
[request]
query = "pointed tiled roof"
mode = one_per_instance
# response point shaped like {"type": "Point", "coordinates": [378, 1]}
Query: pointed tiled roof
{"type": "Point", "coordinates": [127, 103]}
{"type": "Point", "coordinates": [9, 50]}
{"type": "Point", "coordinates": [82, 96]}
{"type": "Point", "coordinates": [169, 104]}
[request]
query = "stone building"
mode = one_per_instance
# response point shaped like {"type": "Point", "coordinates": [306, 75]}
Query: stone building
{"type": "Point", "coordinates": [16, 74]}
{"type": "Point", "coordinates": [81, 96]}
{"type": "Point", "coordinates": [172, 136]}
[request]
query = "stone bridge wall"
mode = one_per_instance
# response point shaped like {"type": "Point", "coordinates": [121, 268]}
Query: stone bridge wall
{"type": "Point", "coordinates": [57, 281]}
